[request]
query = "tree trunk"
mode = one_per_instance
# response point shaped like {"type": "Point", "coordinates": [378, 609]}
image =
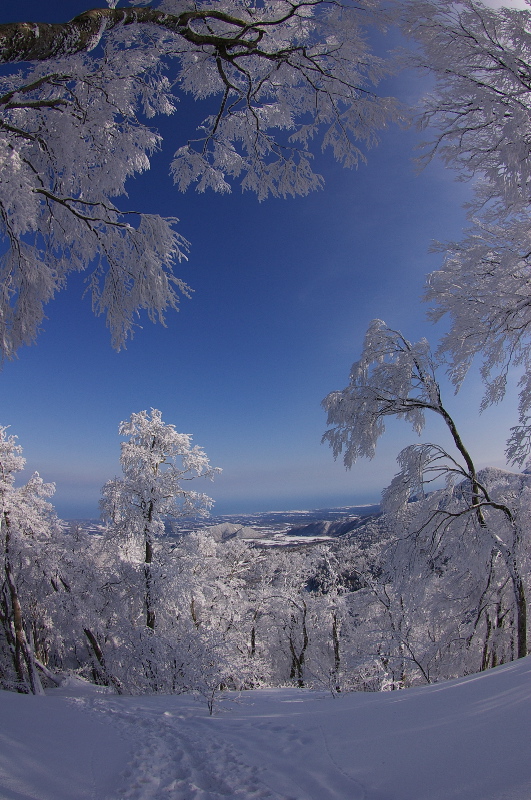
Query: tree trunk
{"type": "Point", "coordinates": [102, 675]}
{"type": "Point", "coordinates": [509, 555]}
{"type": "Point", "coordinates": [22, 651]}
{"type": "Point", "coordinates": [297, 658]}
{"type": "Point", "coordinates": [148, 560]}
{"type": "Point", "coordinates": [337, 654]}
{"type": "Point", "coordinates": [521, 616]}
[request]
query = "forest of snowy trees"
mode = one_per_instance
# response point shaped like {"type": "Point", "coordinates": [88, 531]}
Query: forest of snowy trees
{"type": "Point", "coordinates": [416, 595]}
{"type": "Point", "coordinates": [436, 587]}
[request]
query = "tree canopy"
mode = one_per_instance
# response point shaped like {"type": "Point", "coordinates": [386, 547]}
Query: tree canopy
{"type": "Point", "coordinates": [478, 115]}
{"type": "Point", "coordinates": [76, 124]}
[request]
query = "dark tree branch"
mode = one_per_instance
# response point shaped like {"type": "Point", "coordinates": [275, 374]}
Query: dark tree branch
{"type": "Point", "coordinates": [40, 41]}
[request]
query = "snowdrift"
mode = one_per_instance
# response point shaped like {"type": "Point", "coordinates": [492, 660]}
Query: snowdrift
{"type": "Point", "coordinates": [467, 739]}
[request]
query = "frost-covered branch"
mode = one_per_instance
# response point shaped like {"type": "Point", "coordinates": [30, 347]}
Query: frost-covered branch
{"type": "Point", "coordinates": [74, 128]}
{"type": "Point", "coordinates": [396, 378]}
{"type": "Point", "coordinates": [39, 41]}
{"type": "Point", "coordinates": [155, 460]}
{"type": "Point", "coordinates": [480, 105]}
{"type": "Point", "coordinates": [483, 287]}
{"type": "Point", "coordinates": [27, 522]}
{"type": "Point", "coordinates": [479, 117]}
{"type": "Point", "coordinates": [393, 378]}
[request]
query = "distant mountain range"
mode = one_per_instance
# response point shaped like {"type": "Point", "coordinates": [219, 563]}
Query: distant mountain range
{"type": "Point", "coordinates": [320, 522]}
{"type": "Point", "coordinates": [272, 526]}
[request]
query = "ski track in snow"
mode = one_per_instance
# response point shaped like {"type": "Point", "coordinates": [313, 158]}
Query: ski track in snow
{"type": "Point", "coordinates": [302, 767]}
{"type": "Point", "coordinates": [171, 762]}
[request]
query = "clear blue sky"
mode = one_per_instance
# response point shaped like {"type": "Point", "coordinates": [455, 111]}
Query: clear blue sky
{"type": "Point", "coordinates": [284, 291]}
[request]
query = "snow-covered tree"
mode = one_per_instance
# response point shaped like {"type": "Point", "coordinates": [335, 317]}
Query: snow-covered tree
{"type": "Point", "coordinates": [27, 523]}
{"type": "Point", "coordinates": [209, 620]}
{"type": "Point", "coordinates": [483, 286]}
{"type": "Point", "coordinates": [88, 609]}
{"type": "Point", "coordinates": [395, 378]}
{"type": "Point", "coordinates": [75, 124]}
{"type": "Point", "coordinates": [480, 105]}
{"type": "Point", "coordinates": [446, 600]}
{"type": "Point", "coordinates": [480, 113]}
{"type": "Point", "coordinates": [157, 461]}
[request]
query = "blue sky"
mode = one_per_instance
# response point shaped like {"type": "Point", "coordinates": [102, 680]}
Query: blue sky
{"type": "Point", "coordinates": [284, 291]}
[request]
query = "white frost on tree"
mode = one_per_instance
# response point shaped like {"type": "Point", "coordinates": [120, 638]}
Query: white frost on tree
{"type": "Point", "coordinates": [480, 104]}
{"type": "Point", "coordinates": [27, 523]}
{"type": "Point", "coordinates": [395, 378]}
{"type": "Point", "coordinates": [480, 111]}
{"type": "Point", "coordinates": [157, 461]}
{"type": "Point", "coordinates": [483, 286]}
{"type": "Point", "coordinates": [75, 125]}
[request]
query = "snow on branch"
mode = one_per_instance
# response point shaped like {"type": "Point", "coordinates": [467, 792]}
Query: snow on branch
{"type": "Point", "coordinates": [392, 378]}
{"type": "Point", "coordinates": [73, 130]}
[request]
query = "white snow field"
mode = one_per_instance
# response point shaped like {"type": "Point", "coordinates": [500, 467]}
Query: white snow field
{"type": "Point", "coordinates": [468, 739]}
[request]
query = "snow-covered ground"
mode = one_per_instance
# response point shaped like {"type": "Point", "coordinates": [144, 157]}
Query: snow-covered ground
{"type": "Point", "coordinates": [468, 739]}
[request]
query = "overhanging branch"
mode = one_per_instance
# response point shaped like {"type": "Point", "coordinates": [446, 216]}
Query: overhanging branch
{"type": "Point", "coordinates": [40, 41]}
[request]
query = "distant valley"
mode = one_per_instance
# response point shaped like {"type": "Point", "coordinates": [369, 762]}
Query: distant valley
{"type": "Point", "coordinates": [268, 527]}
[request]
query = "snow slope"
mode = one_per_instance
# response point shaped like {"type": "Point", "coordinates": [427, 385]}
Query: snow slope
{"type": "Point", "coordinates": [468, 739]}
